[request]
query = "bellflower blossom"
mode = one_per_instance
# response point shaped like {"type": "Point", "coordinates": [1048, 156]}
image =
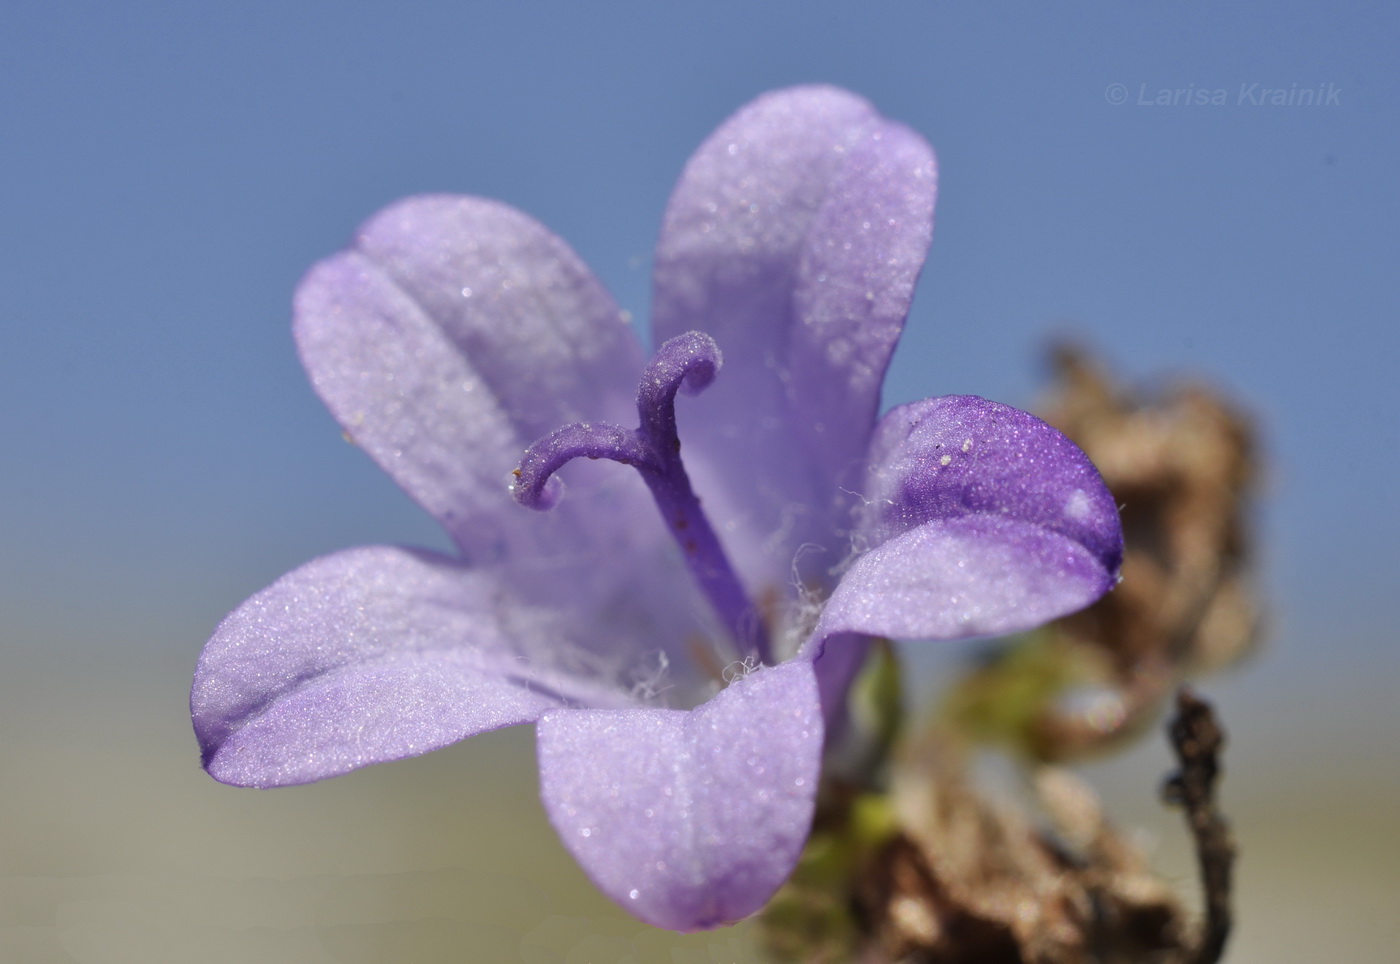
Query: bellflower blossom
{"type": "Point", "coordinates": [470, 352]}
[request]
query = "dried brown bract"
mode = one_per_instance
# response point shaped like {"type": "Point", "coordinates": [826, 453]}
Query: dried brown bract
{"type": "Point", "coordinates": [968, 880]}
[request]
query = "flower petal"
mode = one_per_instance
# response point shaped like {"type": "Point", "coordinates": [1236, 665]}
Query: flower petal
{"type": "Point", "coordinates": [861, 258]}
{"type": "Point", "coordinates": [794, 238]}
{"type": "Point", "coordinates": [369, 655]}
{"type": "Point", "coordinates": [455, 333]}
{"type": "Point", "coordinates": [689, 820]}
{"type": "Point", "coordinates": [974, 576]}
{"type": "Point", "coordinates": [983, 520]}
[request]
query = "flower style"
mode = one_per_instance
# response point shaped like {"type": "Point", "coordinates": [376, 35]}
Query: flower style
{"type": "Point", "coordinates": [458, 340]}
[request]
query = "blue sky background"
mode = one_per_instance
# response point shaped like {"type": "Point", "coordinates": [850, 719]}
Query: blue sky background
{"type": "Point", "coordinates": [168, 171]}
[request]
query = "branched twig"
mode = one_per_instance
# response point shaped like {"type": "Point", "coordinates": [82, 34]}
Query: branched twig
{"type": "Point", "coordinates": [1197, 738]}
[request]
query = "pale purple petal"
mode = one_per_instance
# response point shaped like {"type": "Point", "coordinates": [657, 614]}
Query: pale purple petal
{"type": "Point", "coordinates": [369, 655]}
{"type": "Point", "coordinates": [944, 458]}
{"type": "Point", "coordinates": [972, 576]}
{"type": "Point", "coordinates": [793, 238]}
{"type": "Point", "coordinates": [455, 333]}
{"type": "Point", "coordinates": [689, 820]}
{"type": "Point", "coordinates": [516, 301]}
{"type": "Point", "coordinates": [981, 519]}
{"type": "Point", "coordinates": [863, 254]}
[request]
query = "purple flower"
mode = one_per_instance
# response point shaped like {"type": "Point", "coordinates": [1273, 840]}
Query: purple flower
{"type": "Point", "coordinates": [458, 340]}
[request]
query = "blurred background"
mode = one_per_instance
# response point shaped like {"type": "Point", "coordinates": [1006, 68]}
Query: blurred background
{"type": "Point", "coordinates": [168, 170]}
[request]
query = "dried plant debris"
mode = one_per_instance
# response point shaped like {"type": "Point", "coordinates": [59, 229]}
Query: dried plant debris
{"type": "Point", "coordinates": [968, 880]}
{"type": "Point", "coordinates": [935, 872]}
{"type": "Point", "coordinates": [1183, 466]}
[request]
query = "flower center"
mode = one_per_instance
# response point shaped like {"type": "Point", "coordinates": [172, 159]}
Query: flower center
{"type": "Point", "coordinates": [686, 363]}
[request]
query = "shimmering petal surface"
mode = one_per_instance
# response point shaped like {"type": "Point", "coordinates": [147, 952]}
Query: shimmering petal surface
{"type": "Point", "coordinates": [794, 238]}
{"type": "Point", "coordinates": [455, 333]}
{"type": "Point", "coordinates": [972, 576]}
{"type": "Point", "coordinates": [369, 655]}
{"type": "Point", "coordinates": [689, 820]}
{"type": "Point", "coordinates": [982, 519]}
{"type": "Point", "coordinates": [944, 458]}
{"type": "Point", "coordinates": [863, 254]}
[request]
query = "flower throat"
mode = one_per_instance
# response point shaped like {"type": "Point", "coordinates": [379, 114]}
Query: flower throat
{"type": "Point", "coordinates": [685, 363]}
